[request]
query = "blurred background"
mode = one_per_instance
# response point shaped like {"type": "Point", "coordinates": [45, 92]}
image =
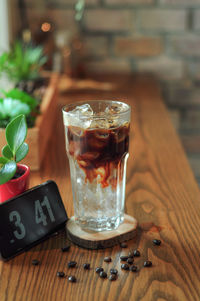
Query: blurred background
{"type": "Point", "coordinates": [161, 37]}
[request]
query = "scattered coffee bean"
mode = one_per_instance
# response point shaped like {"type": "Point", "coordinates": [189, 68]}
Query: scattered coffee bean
{"type": "Point", "coordinates": [107, 259]}
{"type": "Point", "coordinates": [103, 274]}
{"type": "Point", "coordinates": [99, 270]}
{"type": "Point", "coordinates": [130, 260]}
{"type": "Point", "coordinates": [123, 258]}
{"type": "Point", "coordinates": [72, 279]}
{"type": "Point", "coordinates": [157, 242]}
{"type": "Point", "coordinates": [72, 264]}
{"type": "Point", "coordinates": [136, 253]}
{"type": "Point", "coordinates": [61, 274]}
{"type": "Point", "coordinates": [125, 266]}
{"type": "Point", "coordinates": [54, 234]}
{"type": "Point", "coordinates": [65, 249]}
{"type": "Point", "coordinates": [147, 263]}
{"type": "Point", "coordinates": [123, 245]}
{"type": "Point", "coordinates": [112, 277]}
{"type": "Point", "coordinates": [86, 266]}
{"type": "Point", "coordinates": [35, 262]}
{"type": "Point", "coordinates": [131, 254]}
{"type": "Point", "coordinates": [114, 271]}
{"type": "Point", "coordinates": [134, 268]}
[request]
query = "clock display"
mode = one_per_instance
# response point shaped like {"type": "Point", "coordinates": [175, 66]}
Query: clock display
{"type": "Point", "coordinates": [29, 218]}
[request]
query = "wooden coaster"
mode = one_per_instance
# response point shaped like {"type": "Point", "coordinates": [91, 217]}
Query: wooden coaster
{"type": "Point", "coordinates": [100, 240]}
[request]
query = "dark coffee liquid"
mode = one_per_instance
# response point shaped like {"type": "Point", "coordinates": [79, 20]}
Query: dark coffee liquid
{"type": "Point", "coordinates": [99, 151]}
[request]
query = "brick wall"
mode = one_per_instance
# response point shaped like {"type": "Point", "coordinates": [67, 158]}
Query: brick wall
{"type": "Point", "coordinates": [158, 36]}
{"type": "Point", "coordinates": [162, 36]}
{"type": "Point", "coordinates": [183, 101]}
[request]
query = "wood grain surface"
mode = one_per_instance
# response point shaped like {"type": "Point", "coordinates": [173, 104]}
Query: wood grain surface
{"type": "Point", "coordinates": [161, 194]}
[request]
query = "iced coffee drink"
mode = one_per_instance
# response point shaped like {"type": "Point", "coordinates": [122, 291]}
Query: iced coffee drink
{"type": "Point", "coordinates": [97, 141]}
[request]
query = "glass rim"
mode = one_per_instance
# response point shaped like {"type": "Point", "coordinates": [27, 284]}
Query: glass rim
{"type": "Point", "coordinates": [105, 115]}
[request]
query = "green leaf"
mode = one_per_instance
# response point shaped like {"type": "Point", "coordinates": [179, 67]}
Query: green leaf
{"type": "Point", "coordinates": [21, 152]}
{"type": "Point", "coordinates": [6, 152]}
{"type": "Point", "coordinates": [3, 59]}
{"type": "Point", "coordinates": [34, 54]}
{"type": "Point", "coordinates": [43, 60]}
{"type": "Point", "coordinates": [16, 132]}
{"type": "Point", "coordinates": [22, 96]}
{"type": "Point", "coordinates": [20, 61]}
{"type": "Point", "coordinates": [7, 172]}
{"type": "Point", "coordinates": [3, 160]}
{"type": "Point", "coordinates": [10, 108]}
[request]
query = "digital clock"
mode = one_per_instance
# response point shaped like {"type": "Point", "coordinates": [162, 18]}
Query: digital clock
{"type": "Point", "coordinates": [29, 218]}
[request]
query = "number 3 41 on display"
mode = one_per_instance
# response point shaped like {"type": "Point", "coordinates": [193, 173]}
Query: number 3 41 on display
{"type": "Point", "coordinates": [40, 217]}
{"type": "Point", "coordinates": [30, 217]}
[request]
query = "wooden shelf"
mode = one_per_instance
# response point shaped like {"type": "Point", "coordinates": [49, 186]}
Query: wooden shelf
{"type": "Point", "coordinates": [161, 193]}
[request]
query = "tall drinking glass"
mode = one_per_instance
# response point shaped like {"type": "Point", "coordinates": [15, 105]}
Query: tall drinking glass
{"type": "Point", "coordinates": [97, 141]}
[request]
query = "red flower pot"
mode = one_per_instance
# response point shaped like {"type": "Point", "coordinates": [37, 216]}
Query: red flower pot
{"type": "Point", "coordinates": [15, 186]}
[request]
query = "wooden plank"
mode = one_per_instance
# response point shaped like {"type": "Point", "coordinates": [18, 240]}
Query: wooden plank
{"type": "Point", "coordinates": [33, 157]}
{"type": "Point", "coordinates": [161, 194]}
{"type": "Point", "coordinates": [49, 114]}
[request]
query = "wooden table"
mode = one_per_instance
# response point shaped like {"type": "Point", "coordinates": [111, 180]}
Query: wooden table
{"type": "Point", "coordinates": [161, 193]}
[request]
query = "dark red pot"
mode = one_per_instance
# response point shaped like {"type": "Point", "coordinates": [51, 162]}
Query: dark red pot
{"type": "Point", "coordinates": [15, 186]}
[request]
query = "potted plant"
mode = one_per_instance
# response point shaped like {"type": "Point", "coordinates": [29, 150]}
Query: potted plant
{"type": "Point", "coordinates": [22, 65]}
{"type": "Point", "coordinates": [15, 102]}
{"type": "Point", "coordinates": [14, 177]}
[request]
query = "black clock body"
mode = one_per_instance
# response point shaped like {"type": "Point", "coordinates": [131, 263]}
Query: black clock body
{"type": "Point", "coordinates": [27, 219]}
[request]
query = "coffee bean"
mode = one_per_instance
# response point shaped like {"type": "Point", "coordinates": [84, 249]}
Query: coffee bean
{"type": "Point", "coordinates": [72, 279]}
{"type": "Point", "coordinates": [86, 266]}
{"type": "Point", "coordinates": [123, 245]}
{"type": "Point", "coordinates": [112, 277]}
{"type": "Point", "coordinates": [114, 271]}
{"type": "Point", "coordinates": [130, 260]}
{"type": "Point", "coordinates": [107, 259]}
{"type": "Point", "coordinates": [136, 253]}
{"type": "Point", "coordinates": [35, 262]}
{"type": "Point", "coordinates": [72, 264]}
{"type": "Point", "coordinates": [65, 249]}
{"type": "Point", "coordinates": [123, 258]}
{"type": "Point", "coordinates": [131, 254]}
{"type": "Point", "coordinates": [103, 274]}
{"type": "Point", "coordinates": [54, 234]}
{"type": "Point", "coordinates": [157, 242]}
{"type": "Point", "coordinates": [61, 274]}
{"type": "Point", "coordinates": [134, 268]}
{"type": "Point", "coordinates": [147, 264]}
{"type": "Point", "coordinates": [99, 270]}
{"type": "Point", "coordinates": [125, 266]}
